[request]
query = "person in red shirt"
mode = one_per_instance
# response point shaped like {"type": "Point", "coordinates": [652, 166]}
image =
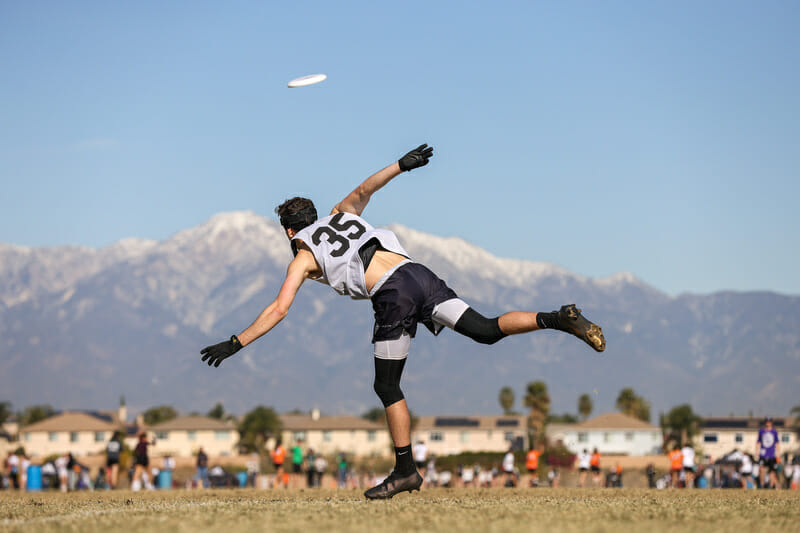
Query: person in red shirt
{"type": "Point", "coordinates": [675, 465]}
{"type": "Point", "coordinates": [532, 465]}
{"type": "Point", "coordinates": [278, 457]}
{"type": "Point", "coordinates": [594, 463]}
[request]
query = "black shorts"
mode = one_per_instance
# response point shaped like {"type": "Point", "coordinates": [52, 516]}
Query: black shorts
{"type": "Point", "coordinates": [584, 469]}
{"type": "Point", "coordinates": [769, 463]}
{"type": "Point", "coordinates": [595, 469]}
{"type": "Point", "coordinates": [277, 465]}
{"type": "Point", "coordinates": [143, 461]}
{"type": "Point", "coordinates": [298, 468]}
{"type": "Point", "coordinates": [420, 464]}
{"type": "Point", "coordinates": [688, 469]}
{"type": "Point", "coordinates": [111, 462]}
{"type": "Point", "coordinates": [532, 471]}
{"type": "Point", "coordinates": [406, 298]}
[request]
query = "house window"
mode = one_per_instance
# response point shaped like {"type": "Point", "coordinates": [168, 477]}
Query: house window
{"type": "Point", "coordinates": [99, 436]}
{"type": "Point", "coordinates": [785, 437]}
{"type": "Point", "coordinates": [191, 435]}
{"type": "Point", "coordinates": [371, 435]}
{"type": "Point", "coordinates": [436, 436]}
{"type": "Point", "coordinates": [489, 434]}
{"type": "Point", "coordinates": [583, 437]}
{"type": "Point", "coordinates": [299, 436]}
{"type": "Point", "coordinates": [27, 437]}
{"type": "Point", "coordinates": [508, 436]}
{"type": "Point", "coordinates": [709, 437]}
{"type": "Point", "coordinates": [161, 435]}
{"type": "Point", "coordinates": [326, 436]}
{"type": "Point", "coordinates": [739, 438]}
{"type": "Point", "coordinates": [606, 437]}
{"type": "Point", "coordinates": [52, 437]}
{"type": "Point", "coordinates": [73, 436]}
{"type": "Point", "coordinates": [222, 435]}
{"type": "Point", "coordinates": [464, 436]}
{"type": "Point", "coordinates": [629, 436]}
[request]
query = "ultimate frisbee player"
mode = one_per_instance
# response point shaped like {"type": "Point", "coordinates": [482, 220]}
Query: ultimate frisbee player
{"type": "Point", "coordinates": [345, 252]}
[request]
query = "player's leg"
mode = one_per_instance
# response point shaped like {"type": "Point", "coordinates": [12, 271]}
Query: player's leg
{"type": "Point", "coordinates": [390, 358]}
{"type": "Point", "coordinates": [460, 317]}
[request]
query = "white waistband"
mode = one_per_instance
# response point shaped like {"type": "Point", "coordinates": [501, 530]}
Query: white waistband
{"type": "Point", "coordinates": [388, 273]}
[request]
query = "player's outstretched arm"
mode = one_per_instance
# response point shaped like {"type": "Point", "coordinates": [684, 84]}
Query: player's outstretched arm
{"type": "Point", "coordinates": [298, 271]}
{"type": "Point", "coordinates": [356, 201]}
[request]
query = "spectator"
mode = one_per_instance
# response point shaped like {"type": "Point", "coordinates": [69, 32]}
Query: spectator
{"type": "Point", "coordinates": [651, 476]}
{"type": "Point", "coordinates": [141, 462]}
{"type": "Point", "coordinates": [421, 456]}
{"type": "Point", "coordinates": [320, 466]}
{"type": "Point", "coordinates": [553, 477]}
{"type": "Point", "coordinates": [768, 451]}
{"type": "Point", "coordinates": [202, 469]}
{"type": "Point", "coordinates": [113, 452]}
{"type": "Point", "coordinates": [310, 468]}
{"type": "Point", "coordinates": [746, 470]}
{"type": "Point", "coordinates": [594, 463]}
{"type": "Point", "coordinates": [297, 464]}
{"type": "Point", "coordinates": [584, 464]}
{"type": "Point", "coordinates": [342, 471]}
{"type": "Point", "coordinates": [278, 457]}
{"type": "Point", "coordinates": [61, 469]}
{"type": "Point", "coordinates": [253, 468]}
{"type": "Point", "coordinates": [675, 465]}
{"type": "Point", "coordinates": [24, 463]}
{"type": "Point", "coordinates": [687, 458]}
{"type": "Point", "coordinates": [12, 464]}
{"type": "Point", "coordinates": [508, 468]}
{"type": "Point", "coordinates": [532, 466]}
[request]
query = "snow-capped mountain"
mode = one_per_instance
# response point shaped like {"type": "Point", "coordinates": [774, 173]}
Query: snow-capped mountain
{"type": "Point", "coordinates": [81, 326]}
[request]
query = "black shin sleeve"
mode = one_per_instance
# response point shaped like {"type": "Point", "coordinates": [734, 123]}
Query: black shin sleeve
{"type": "Point", "coordinates": [479, 328]}
{"type": "Point", "coordinates": [387, 380]}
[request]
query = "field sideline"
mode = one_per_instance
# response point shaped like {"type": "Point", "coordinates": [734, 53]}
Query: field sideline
{"type": "Point", "coordinates": [542, 509]}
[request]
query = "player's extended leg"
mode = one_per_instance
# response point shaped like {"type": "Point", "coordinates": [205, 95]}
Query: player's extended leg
{"type": "Point", "coordinates": [390, 358]}
{"type": "Point", "coordinates": [457, 315]}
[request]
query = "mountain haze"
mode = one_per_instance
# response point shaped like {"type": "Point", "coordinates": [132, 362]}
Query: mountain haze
{"type": "Point", "coordinates": [81, 326]}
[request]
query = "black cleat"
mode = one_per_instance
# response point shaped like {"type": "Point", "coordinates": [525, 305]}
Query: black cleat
{"type": "Point", "coordinates": [394, 484]}
{"type": "Point", "coordinates": [572, 321]}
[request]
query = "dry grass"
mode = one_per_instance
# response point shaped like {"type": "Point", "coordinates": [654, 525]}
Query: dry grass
{"type": "Point", "coordinates": [498, 509]}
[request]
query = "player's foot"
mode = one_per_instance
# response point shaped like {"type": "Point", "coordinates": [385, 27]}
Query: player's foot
{"type": "Point", "coordinates": [574, 322]}
{"type": "Point", "coordinates": [394, 484]}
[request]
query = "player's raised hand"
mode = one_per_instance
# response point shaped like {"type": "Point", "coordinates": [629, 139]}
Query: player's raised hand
{"type": "Point", "coordinates": [418, 157]}
{"type": "Point", "coordinates": [219, 352]}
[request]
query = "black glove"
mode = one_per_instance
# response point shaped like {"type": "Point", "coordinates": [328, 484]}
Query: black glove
{"type": "Point", "coordinates": [418, 157]}
{"type": "Point", "coordinates": [217, 353]}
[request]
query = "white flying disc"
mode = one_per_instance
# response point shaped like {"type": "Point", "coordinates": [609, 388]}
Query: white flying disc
{"type": "Point", "coordinates": [307, 80]}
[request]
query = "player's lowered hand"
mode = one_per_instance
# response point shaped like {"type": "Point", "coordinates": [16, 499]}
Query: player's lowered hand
{"type": "Point", "coordinates": [418, 157]}
{"type": "Point", "coordinates": [219, 352]}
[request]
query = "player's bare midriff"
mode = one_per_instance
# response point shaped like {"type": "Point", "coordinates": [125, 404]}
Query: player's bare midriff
{"type": "Point", "coordinates": [381, 262]}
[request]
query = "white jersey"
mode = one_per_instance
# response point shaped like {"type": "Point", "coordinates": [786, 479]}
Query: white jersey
{"type": "Point", "coordinates": [420, 452]}
{"type": "Point", "coordinates": [335, 241]}
{"type": "Point", "coordinates": [508, 462]}
{"type": "Point", "coordinates": [584, 460]}
{"type": "Point", "coordinates": [688, 457]}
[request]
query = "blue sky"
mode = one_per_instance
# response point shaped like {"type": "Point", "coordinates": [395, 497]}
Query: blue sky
{"type": "Point", "coordinates": [660, 138]}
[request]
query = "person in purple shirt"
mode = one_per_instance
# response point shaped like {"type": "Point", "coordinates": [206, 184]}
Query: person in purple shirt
{"type": "Point", "coordinates": [767, 452]}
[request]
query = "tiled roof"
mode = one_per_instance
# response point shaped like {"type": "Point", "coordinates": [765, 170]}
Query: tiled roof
{"type": "Point", "coordinates": [479, 422]}
{"type": "Point", "coordinates": [307, 423]}
{"type": "Point", "coordinates": [71, 421]}
{"type": "Point", "coordinates": [192, 423]}
{"type": "Point", "coordinates": [614, 421]}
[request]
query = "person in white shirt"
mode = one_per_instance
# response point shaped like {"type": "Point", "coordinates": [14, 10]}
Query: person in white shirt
{"type": "Point", "coordinates": [508, 469]}
{"type": "Point", "coordinates": [688, 465]}
{"type": "Point", "coordinates": [24, 463]}
{"type": "Point", "coordinates": [746, 469]}
{"type": "Point", "coordinates": [13, 470]}
{"type": "Point", "coordinates": [421, 457]}
{"type": "Point", "coordinates": [584, 459]}
{"type": "Point", "coordinates": [61, 469]}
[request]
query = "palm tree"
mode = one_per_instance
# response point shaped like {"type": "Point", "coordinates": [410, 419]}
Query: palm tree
{"type": "Point", "coordinates": [682, 421]}
{"type": "Point", "coordinates": [585, 405]}
{"type": "Point", "coordinates": [537, 399]}
{"type": "Point", "coordinates": [795, 412]}
{"type": "Point", "coordinates": [631, 404]}
{"type": "Point", "coordinates": [506, 400]}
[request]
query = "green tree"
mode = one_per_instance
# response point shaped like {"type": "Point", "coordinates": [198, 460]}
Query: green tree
{"type": "Point", "coordinates": [585, 406]}
{"type": "Point", "coordinates": [5, 412]}
{"type": "Point", "coordinates": [35, 413]}
{"type": "Point", "coordinates": [631, 404]}
{"type": "Point", "coordinates": [566, 418]}
{"type": "Point", "coordinates": [159, 414]}
{"type": "Point", "coordinates": [506, 400]}
{"type": "Point", "coordinates": [537, 399]}
{"type": "Point", "coordinates": [217, 412]}
{"type": "Point", "coordinates": [376, 414]}
{"type": "Point", "coordinates": [681, 423]}
{"type": "Point", "coordinates": [256, 427]}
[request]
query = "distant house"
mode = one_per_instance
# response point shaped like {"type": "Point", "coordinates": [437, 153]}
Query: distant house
{"type": "Point", "coordinates": [332, 434]}
{"type": "Point", "coordinates": [719, 436]}
{"type": "Point", "coordinates": [184, 435]}
{"type": "Point", "coordinates": [448, 435]}
{"type": "Point", "coordinates": [80, 433]}
{"type": "Point", "coordinates": [610, 433]}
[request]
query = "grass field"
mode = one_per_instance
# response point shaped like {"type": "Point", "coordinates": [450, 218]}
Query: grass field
{"type": "Point", "coordinates": [497, 509]}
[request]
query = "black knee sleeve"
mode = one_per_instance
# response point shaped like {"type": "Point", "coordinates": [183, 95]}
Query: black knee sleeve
{"type": "Point", "coordinates": [479, 328]}
{"type": "Point", "coordinates": [387, 380]}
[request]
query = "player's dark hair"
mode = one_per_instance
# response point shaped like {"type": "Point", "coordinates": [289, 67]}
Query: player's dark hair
{"type": "Point", "coordinates": [297, 213]}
